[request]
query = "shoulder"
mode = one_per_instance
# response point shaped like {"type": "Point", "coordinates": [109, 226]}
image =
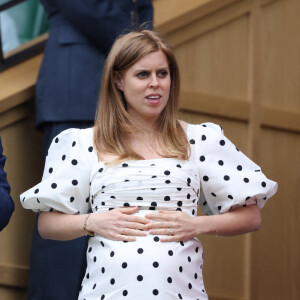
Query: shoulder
{"type": "Point", "coordinates": [75, 135]}
{"type": "Point", "coordinates": [72, 147]}
{"type": "Point", "coordinates": [203, 130]}
{"type": "Point", "coordinates": [73, 139]}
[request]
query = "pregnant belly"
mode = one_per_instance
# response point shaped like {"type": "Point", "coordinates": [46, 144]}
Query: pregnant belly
{"type": "Point", "coordinates": [143, 269]}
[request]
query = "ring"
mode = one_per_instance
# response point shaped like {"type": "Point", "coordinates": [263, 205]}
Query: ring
{"type": "Point", "coordinates": [171, 231]}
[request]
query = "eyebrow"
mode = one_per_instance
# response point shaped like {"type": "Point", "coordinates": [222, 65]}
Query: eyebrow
{"type": "Point", "coordinates": [146, 69]}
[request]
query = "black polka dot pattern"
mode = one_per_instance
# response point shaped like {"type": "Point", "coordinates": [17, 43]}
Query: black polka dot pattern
{"type": "Point", "coordinates": [216, 176]}
{"type": "Point", "coordinates": [74, 162]}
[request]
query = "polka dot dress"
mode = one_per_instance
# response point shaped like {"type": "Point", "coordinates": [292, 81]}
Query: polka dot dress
{"type": "Point", "coordinates": [217, 176]}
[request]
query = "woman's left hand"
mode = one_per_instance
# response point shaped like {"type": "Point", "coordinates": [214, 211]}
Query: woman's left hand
{"type": "Point", "coordinates": [175, 225]}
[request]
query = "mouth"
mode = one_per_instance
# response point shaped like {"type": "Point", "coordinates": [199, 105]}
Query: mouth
{"type": "Point", "coordinates": [153, 99]}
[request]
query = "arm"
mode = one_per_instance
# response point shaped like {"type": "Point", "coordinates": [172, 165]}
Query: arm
{"type": "Point", "coordinates": [6, 207]}
{"type": "Point", "coordinates": [185, 227]}
{"type": "Point", "coordinates": [116, 224]}
{"type": "Point", "coordinates": [6, 203]}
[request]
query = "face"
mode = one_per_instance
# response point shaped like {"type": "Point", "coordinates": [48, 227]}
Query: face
{"type": "Point", "coordinates": [146, 86]}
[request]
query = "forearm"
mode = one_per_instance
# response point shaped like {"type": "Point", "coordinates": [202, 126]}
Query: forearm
{"type": "Point", "coordinates": [60, 226]}
{"type": "Point", "coordinates": [239, 221]}
{"type": "Point", "coordinates": [116, 224]}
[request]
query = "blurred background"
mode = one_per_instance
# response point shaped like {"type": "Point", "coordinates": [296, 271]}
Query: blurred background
{"type": "Point", "coordinates": [21, 23]}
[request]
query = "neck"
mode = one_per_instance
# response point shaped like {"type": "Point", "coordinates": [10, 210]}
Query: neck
{"type": "Point", "coordinates": [146, 127]}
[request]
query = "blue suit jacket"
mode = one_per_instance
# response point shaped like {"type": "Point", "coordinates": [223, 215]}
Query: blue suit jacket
{"type": "Point", "coordinates": [6, 203]}
{"type": "Point", "coordinates": [81, 34]}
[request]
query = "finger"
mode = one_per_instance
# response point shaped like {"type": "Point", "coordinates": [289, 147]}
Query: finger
{"type": "Point", "coordinates": [168, 212]}
{"type": "Point", "coordinates": [133, 232]}
{"type": "Point", "coordinates": [134, 225]}
{"type": "Point", "coordinates": [128, 210]}
{"type": "Point", "coordinates": [136, 219]}
{"type": "Point", "coordinates": [159, 225]}
{"type": "Point", "coordinates": [124, 238]}
{"type": "Point", "coordinates": [160, 231]}
{"type": "Point", "coordinates": [158, 216]}
{"type": "Point", "coordinates": [168, 239]}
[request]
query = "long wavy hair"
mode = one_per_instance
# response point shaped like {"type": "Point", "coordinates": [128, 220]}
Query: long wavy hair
{"type": "Point", "coordinates": [112, 121]}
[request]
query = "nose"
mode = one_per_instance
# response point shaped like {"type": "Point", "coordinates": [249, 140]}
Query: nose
{"type": "Point", "coordinates": [154, 81]}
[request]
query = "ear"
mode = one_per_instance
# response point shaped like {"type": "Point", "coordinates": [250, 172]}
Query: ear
{"type": "Point", "coordinates": [118, 81]}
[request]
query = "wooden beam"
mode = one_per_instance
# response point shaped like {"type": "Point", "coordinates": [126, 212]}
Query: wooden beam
{"type": "Point", "coordinates": [173, 14]}
{"type": "Point", "coordinates": [219, 297]}
{"type": "Point", "coordinates": [27, 45]}
{"type": "Point", "coordinates": [14, 276]}
{"type": "Point", "coordinates": [215, 105]}
{"type": "Point", "coordinates": [18, 83]}
{"type": "Point", "coordinates": [266, 2]}
{"type": "Point", "coordinates": [281, 119]}
{"type": "Point", "coordinates": [15, 114]}
{"type": "Point", "coordinates": [194, 28]}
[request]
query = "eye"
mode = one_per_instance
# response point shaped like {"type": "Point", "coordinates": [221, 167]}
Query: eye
{"type": "Point", "coordinates": [142, 75]}
{"type": "Point", "coordinates": [162, 73]}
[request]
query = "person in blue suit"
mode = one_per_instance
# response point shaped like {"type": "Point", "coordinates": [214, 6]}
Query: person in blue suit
{"type": "Point", "coordinates": [80, 36]}
{"type": "Point", "coordinates": [6, 203]}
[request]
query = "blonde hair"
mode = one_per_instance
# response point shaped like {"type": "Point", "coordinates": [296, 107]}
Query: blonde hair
{"type": "Point", "coordinates": [113, 123]}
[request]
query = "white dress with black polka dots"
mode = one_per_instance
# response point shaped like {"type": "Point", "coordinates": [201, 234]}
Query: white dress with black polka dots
{"type": "Point", "coordinates": [217, 176]}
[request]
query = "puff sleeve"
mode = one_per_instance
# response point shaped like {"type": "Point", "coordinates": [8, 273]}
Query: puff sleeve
{"type": "Point", "coordinates": [65, 184]}
{"type": "Point", "coordinates": [228, 178]}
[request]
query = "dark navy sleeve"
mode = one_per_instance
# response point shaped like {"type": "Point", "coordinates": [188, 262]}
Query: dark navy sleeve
{"type": "Point", "coordinates": [6, 203]}
{"type": "Point", "coordinates": [102, 21]}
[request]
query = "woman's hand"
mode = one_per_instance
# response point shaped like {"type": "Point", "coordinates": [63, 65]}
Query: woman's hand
{"type": "Point", "coordinates": [118, 224]}
{"type": "Point", "coordinates": [175, 225]}
{"type": "Point", "coordinates": [178, 226]}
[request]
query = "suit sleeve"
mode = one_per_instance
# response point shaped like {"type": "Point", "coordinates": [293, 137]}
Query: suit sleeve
{"type": "Point", "coordinates": [6, 203]}
{"type": "Point", "coordinates": [102, 21]}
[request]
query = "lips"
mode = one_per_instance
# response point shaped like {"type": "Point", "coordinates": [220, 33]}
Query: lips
{"type": "Point", "coordinates": [153, 98]}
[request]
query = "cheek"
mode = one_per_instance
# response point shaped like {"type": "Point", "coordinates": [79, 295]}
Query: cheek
{"type": "Point", "coordinates": [135, 87]}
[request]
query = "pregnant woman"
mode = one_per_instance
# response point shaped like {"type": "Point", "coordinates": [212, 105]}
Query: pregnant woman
{"type": "Point", "coordinates": [135, 180]}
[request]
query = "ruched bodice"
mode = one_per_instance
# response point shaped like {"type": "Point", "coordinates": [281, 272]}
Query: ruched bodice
{"type": "Point", "coordinates": [151, 184]}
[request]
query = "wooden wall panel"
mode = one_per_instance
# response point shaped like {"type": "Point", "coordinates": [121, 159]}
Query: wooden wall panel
{"type": "Point", "coordinates": [276, 248]}
{"type": "Point", "coordinates": [171, 15]}
{"type": "Point", "coordinates": [216, 62]}
{"type": "Point", "coordinates": [280, 60]}
{"type": "Point", "coordinates": [22, 146]}
{"type": "Point", "coordinates": [243, 72]}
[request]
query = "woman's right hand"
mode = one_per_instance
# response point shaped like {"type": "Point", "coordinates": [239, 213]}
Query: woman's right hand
{"type": "Point", "coordinates": [118, 224]}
